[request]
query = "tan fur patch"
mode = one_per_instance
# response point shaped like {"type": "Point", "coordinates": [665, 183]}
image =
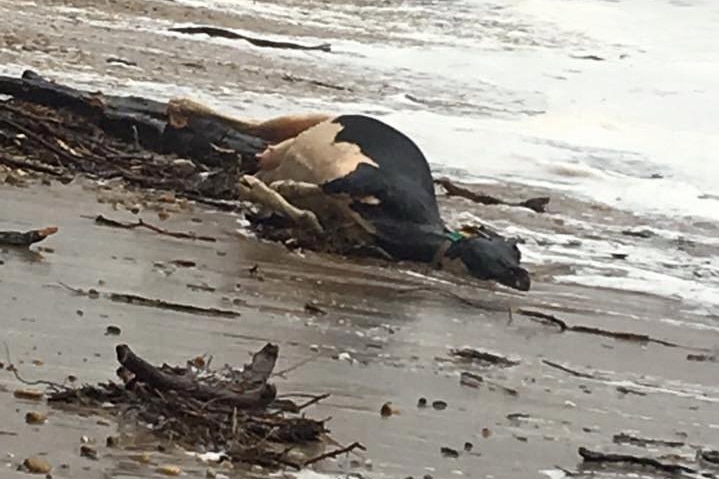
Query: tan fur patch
{"type": "Point", "coordinates": [312, 157]}
{"type": "Point", "coordinates": [281, 128]}
{"type": "Point", "coordinates": [274, 130]}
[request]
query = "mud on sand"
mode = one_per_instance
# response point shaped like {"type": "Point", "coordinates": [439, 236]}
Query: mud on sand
{"type": "Point", "coordinates": [381, 333]}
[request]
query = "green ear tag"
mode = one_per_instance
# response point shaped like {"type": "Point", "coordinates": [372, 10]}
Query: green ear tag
{"type": "Point", "coordinates": [455, 236]}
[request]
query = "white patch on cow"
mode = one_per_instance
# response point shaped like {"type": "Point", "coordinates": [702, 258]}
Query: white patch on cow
{"type": "Point", "coordinates": [313, 156]}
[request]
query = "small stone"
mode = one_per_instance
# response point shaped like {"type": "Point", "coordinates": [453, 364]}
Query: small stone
{"type": "Point", "coordinates": [449, 452]}
{"type": "Point", "coordinates": [112, 441]}
{"type": "Point", "coordinates": [486, 432]}
{"type": "Point", "coordinates": [35, 417]}
{"type": "Point", "coordinates": [422, 402]}
{"type": "Point", "coordinates": [80, 312]}
{"type": "Point", "coordinates": [439, 405]}
{"type": "Point", "coordinates": [37, 465]}
{"type": "Point", "coordinates": [28, 394]}
{"type": "Point", "coordinates": [88, 451]}
{"type": "Point", "coordinates": [143, 458]}
{"type": "Point", "coordinates": [169, 470]}
{"type": "Point", "coordinates": [113, 331]}
{"type": "Point", "coordinates": [468, 446]}
{"type": "Point", "coordinates": [210, 473]}
{"type": "Point", "coordinates": [387, 410]}
{"type": "Point", "coordinates": [314, 347]}
{"type": "Point", "coordinates": [569, 404]}
{"type": "Point", "coordinates": [93, 293]}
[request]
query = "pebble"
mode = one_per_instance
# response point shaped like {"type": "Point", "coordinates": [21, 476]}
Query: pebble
{"type": "Point", "coordinates": [28, 394]}
{"type": "Point", "coordinates": [169, 470]}
{"type": "Point", "coordinates": [37, 465]}
{"type": "Point", "coordinates": [35, 417]}
{"type": "Point", "coordinates": [387, 410]}
{"type": "Point", "coordinates": [439, 405]}
{"type": "Point", "coordinates": [422, 402]}
{"type": "Point", "coordinates": [112, 331]}
{"type": "Point", "coordinates": [88, 451]}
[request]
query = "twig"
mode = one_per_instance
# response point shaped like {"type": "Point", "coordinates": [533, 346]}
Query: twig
{"type": "Point", "coordinates": [568, 370]}
{"type": "Point", "coordinates": [156, 303]}
{"type": "Point", "coordinates": [538, 205]}
{"type": "Point", "coordinates": [312, 401]}
{"type": "Point", "coordinates": [563, 326]}
{"type": "Point", "coordinates": [296, 366]}
{"type": "Point", "coordinates": [38, 139]}
{"type": "Point", "coordinates": [17, 163]}
{"type": "Point", "coordinates": [544, 317]}
{"type": "Point", "coordinates": [624, 438]}
{"type": "Point", "coordinates": [335, 453]}
{"type": "Point", "coordinates": [641, 338]}
{"type": "Point", "coordinates": [101, 220]}
{"type": "Point", "coordinates": [16, 373]}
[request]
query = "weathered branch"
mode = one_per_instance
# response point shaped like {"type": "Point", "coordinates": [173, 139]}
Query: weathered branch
{"type": "Point", "coordinates": [538, 205]}
{"type": "Point", "coordinates": [596, 457]}
{"type": "Point", "coordinates": [101, 220]}
{"type": "Point", "coordinates": [258, 42]}
{"type": "Point", "coordinates": [146, 373]}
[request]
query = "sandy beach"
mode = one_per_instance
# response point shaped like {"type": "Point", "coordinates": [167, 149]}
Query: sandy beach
{"type": "Point", "coordinates": [388, 328]}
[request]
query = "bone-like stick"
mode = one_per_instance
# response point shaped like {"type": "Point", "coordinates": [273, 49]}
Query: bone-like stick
{"type": "Point", "coordinates": [257, 191]}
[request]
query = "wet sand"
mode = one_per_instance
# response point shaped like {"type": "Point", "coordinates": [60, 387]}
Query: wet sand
{"type": "Point", "coordinates": [399, 343]}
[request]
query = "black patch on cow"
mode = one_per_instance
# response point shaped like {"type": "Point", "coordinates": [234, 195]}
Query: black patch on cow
{"type": "Point", "coordinates": [402, 181]}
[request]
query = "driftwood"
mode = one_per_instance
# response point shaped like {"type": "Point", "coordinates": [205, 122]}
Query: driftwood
{"type": "Point", "coordinates": [595, 457]}
{"type": "Point", "coordinates": [197, 407]}
{"type": "Point", "coordinates": [109, 136]}
{"type": "Point", "coordinates": [26, 238]}
{"type": "Point", "coordinates": [538, 205]}
{"type": "Point", "coordinates": [258, 42]}
{"type": "Point", "coordinates": [240, 397]}
{"type": "Point", "coordinates": [101, 220]}
{"type": "Point", "coordinates": [155, 303]}
{"type": "Point", "coordinates": [483, 357]}
{"type": "Point", "coordinates": [624, 438]}
{"type": "Point", "coordinates": [550, 319]}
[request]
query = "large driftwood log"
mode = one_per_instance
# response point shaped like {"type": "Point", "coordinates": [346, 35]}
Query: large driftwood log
{"type": "Point", "coordinates": [209, 141]}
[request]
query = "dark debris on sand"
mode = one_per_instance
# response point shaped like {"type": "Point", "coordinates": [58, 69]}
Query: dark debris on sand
{"type": "Point", "coordinates": [196, 407]}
